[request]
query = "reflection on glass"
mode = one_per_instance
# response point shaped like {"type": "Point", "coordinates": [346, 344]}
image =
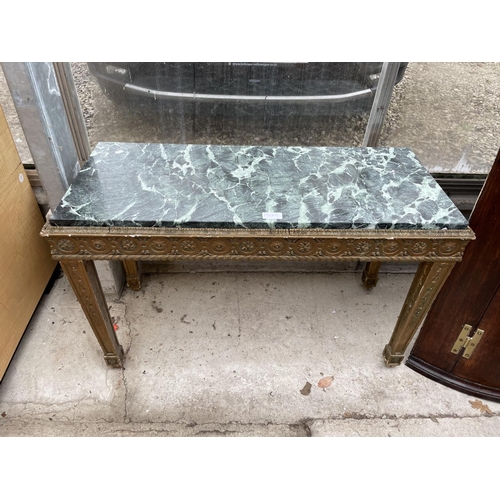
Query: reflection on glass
{"type": "Point", "coordinates": [448, 114]}
{"type": "Point", "coordinates": [230, 103]}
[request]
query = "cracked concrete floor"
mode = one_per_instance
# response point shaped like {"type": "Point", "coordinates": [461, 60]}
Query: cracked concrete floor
{"type": "Point", "coordinates": [227, 354]}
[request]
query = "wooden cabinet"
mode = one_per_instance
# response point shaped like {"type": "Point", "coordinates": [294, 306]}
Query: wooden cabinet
{"type": "Point", "coordinates": [468, 306]}
{"type": "Point", "coordinates": [25, 261]}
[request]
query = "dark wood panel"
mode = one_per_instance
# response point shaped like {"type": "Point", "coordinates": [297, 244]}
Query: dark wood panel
{"type": "Point", "coordinates": [449, 380]}
{"type": "Point", "coordinates": [470, 286]}
{"type": "Point", "coordinates": [483, 367]}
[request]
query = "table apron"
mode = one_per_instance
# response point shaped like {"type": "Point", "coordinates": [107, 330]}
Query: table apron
{"type": "Point", "coordinates": [406, 246]}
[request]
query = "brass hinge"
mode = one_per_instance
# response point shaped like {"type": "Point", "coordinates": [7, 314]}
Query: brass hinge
{"type": "Point", "coordinates": [468, 343]}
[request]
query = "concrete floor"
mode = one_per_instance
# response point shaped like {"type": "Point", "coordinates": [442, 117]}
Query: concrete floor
{"type": "Point", "coordinates": [226, 351]}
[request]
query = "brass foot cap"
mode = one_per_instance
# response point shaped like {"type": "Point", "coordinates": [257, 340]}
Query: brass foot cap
{"type": "Point", "coordinates": [392, 359]}
{"type": "Point", "coordinates": [115, 360]}
{"type": "Point", "coordinates": [368, 282]}
{"type": "Point", "coordinates": [134, 284]}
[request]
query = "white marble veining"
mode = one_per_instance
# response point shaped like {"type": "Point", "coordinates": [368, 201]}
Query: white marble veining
{"type": "Point", "coordinates": [167, 185]}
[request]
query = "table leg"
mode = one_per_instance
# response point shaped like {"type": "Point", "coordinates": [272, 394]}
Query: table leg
{"type": "Point", "coordinates": [133, 274]}
{"type": "Point", "coordinates": [428, 280]}
{"type": "Point", "coordinates": [370, 275]}
{"type": "Point", "coordinates": [85, 282]}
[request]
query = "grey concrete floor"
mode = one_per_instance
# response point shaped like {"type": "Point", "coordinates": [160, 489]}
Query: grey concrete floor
{"type": "Point", "coordinates": [224, 351]}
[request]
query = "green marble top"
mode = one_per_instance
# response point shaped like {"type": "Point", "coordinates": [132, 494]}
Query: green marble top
{"type": "Point", "coordinates": [255, 187]}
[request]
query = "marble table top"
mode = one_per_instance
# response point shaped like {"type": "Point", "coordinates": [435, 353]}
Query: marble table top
{"type": "Point", "coordinates": [255, 187]}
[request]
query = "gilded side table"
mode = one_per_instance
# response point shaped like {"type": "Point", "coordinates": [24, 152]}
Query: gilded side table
{"type": "Point", "coordinates": [138, 202]}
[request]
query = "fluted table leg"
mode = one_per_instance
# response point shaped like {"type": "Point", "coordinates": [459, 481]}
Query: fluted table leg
{"type": "Point", "coordinates": [133, 274]}
{"type": "Point", "coordinates": [85, 282]}
{"type": "Point", "coordinates": [428, 280]}
{"type": "Point", "coordinates": [370, 275]}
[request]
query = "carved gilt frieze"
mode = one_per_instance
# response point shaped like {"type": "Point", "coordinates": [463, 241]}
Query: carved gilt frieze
{"type": "Point", "coordinates": [161, 244]}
